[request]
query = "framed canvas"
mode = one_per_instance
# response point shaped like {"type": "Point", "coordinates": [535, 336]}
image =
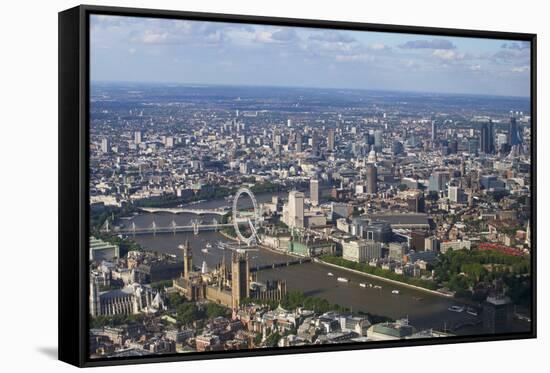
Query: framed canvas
{"type": "Point", "coordinates": [235, 186]}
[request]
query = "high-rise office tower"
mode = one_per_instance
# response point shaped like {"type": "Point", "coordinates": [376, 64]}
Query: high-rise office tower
{"type": "Point", "coordinates": [416, 202]}
{"type": "Point", "coordinates": [369, 138]}
{"type": "Point", "coordinates": [438, 181]}
{"type": "Point", "coordinates": [314, 141]}
{"type": "Point", "coordinates": [314, 192]}
{"type": "Point", "coordinates": [240, 277]}
{"type": "Point", "coordinates": [513, 134]}
{"type": "Point", "coordinates": [372, 176]}
{"type": "Point", "coordinates": [453, 193]}
{"type": "Point", "coordinates": [277, 139]}
{"type": "Point", "coordinates": [434, 131]}
{"type": "Point", "coordinates": [296, 209]}
{"type": "Point", "coordinates": [491, 129]}
{"type": "Point", "coordinates": [137, 137]}
{"type": "Point", "coordinates": [105, 145]}
{"type": "Point", "coordinates": [378, 140]}
{"type": "Point", "coordinates": [330, 140]}
{"type": "Point", "coordinates": [453, 146]}
{"type": "Point", "coordinates": [487, 138]}
{"type": "Point", "coordinates": [299, 142]}
{"type": "Point", "coordinates": [277, 143]}
{"type": "Point", "coordinates": [397, 147]}
{"type": "Point", "coordinates": [473, 146]}
{"type": "Point", "coordinates": [501, 140]}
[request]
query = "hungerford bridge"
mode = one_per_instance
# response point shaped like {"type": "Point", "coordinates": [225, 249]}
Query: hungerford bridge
{"type": "Point", "coordinates": [194, 226]}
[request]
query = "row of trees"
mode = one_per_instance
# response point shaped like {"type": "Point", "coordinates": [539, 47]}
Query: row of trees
{"type": "Point", "coordinates": [268, 187]}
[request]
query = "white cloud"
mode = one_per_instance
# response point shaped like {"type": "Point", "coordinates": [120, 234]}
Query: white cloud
{"type": "Point", "coordinates": [332, 37]}
{"type": "Point", "coordinates": [153, 37]}
{"type": "Point", "coordinates": [428, 44]}
{"type": "Point", "coordinates": [257, 36]}
{"type": "Point", "coordinates": [378, 46]}
{"type": "Point", "coordinates": [448, 54]}
{"type": "Point", "coordinates": [361, 57]}
{"type": "Point", "coordinates": [520, 69]}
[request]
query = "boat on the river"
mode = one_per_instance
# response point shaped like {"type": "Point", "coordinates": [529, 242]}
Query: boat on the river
{"type": "Point", "coordinates": [457, 309]}
{"type": "Point", "coordinates": [377, 287]}
{"type": "Point", "coordinates": [522, 317]}
{"type": "Point", "coordinates": [363, 285]}
{"type": "Point", "coordinates": [342, 279]}
{"type": "Point", "coordinates": [207, 247]}
{"type": "Point", "coordinates": [471, 311]}
{"type": "Point", "coordinates": [396, 292]}
{"type": "Point", "coordinates": [330, 274]}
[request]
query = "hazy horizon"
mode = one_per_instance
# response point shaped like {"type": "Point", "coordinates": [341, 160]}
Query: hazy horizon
{"type": "Point", "coordinates": [206, 85]}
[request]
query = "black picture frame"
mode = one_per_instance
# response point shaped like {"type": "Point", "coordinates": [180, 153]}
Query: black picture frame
{"type": "Point", "coordinates": [73, 180]}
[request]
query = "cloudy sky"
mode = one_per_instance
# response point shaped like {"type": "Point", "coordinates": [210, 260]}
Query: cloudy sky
{"type": "Point", "coordinates": [175, 51]}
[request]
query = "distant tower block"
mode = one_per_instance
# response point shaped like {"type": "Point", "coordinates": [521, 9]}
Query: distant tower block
{"type": "Point", "coordinates": [314, 141]}
{"type": "Point", "coordinates": [298, 142]}
{"type": "Point", "coordinates": [330, 140]}
{"type": "Point", "coordinates": [372, 176]}
{"type": "Point", "coordinates": [296, 209]}
{"type": "Point", "coordinates": [487, 137]}
{"type": "Point", "coordinates": [240, 277]}
{"type": "Point", "coordinates": [137, 137]}
{"type": "Point", "coordinates": [314, 192]}
{"type": "Point", "coordinates": [513, 134]}
{"type": "Point", "coordinates": [434, 131]}
{"type": "Point", "coordinates": [105, 145]}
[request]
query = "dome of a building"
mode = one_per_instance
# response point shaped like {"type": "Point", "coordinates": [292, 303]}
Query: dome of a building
{"type": "Point", "coordinates": [372, 157]}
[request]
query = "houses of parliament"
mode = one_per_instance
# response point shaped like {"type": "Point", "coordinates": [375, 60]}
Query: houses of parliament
{"type": "Point", "coordinates": [224, 286]}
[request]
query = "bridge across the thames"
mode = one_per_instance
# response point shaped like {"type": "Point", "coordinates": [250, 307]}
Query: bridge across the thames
{"type": "Point", "coordinates": [154, 229]}
{"type": "Point", "coordinates": [183, 210]}
{"type": "Point", "coordinates": [279, 265]}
